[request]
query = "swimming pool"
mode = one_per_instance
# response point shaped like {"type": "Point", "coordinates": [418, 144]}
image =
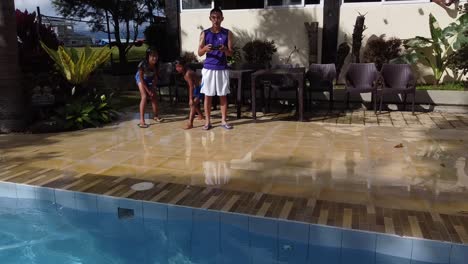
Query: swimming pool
{"type": "Point", "coordinates": [46, 226]}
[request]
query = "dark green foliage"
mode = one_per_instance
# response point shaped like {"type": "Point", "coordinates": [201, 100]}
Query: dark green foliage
{"type": "Point", "coordinates": [236, 56]}
{"type": "Point", "coordinates": [32, 57]}
{"type": "Point", "coordinates": [259, 52]}
{"type": "Point", "coordinates": [83, 112]}
{"type": "Point", "coordinates": [380, 51]}
{"type": "Point", "coordinates": [125, 17]}
{"type": "Point", "coordinates": [458, 60]}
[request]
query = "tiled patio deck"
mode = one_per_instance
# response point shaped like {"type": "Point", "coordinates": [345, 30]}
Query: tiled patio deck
{"type": "Point", "coordinates": [393, 173]}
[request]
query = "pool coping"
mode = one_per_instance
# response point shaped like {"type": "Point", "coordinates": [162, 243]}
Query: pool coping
{"type": "Point", "coordinates": [382, 246]}
{"type": "Point", "coordinates": [365, 217]}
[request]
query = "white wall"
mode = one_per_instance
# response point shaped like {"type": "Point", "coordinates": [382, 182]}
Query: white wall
{"type": "Point", "coordinates": [394, 20]}
{"type": "Point", "coordinates": [283, 25]}
{"type": "Point", "coordinates": [286, 25]}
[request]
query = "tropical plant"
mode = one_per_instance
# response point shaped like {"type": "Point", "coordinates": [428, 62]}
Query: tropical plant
{"type": "Point", "coordinates": [441, 44]}
{"type": "Point", "coordinates": [83, 112]}
{"type": "Point", "coordinates": [359, 28]}
{"type": "Point", "coordinates": [77, 66]}
{"type": "Point", "coordinates": [458, 61]}
{"type": "Point", "coordinates": [380, 50]}
{"type": "Point", "coordinates": [259, 52]}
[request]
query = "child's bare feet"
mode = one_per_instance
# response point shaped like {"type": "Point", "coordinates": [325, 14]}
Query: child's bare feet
{"type": "Point", "coordinates": [188, 126]}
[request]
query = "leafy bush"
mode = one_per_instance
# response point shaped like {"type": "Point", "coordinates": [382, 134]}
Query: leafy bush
{"type": "Point", "coordinates": [382, 51]}
{"type": "Point", "coordinates": [259, 52]}
{"type": "Point", "coordinates": [76, 66]}
{"type": "Point", "coordinates": [83, 112]}
{"type": "Point", "coordinates": [442, 44]}
{"type": "Point", "coordinates": [458, 60]}
{"type": "Point", "coordinates": [32, 57]}
{"type": "Point", "coordinates": [236, 56]}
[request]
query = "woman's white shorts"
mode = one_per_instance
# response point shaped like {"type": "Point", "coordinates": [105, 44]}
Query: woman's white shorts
{"type": "Point", "coordinates": [215, 82]}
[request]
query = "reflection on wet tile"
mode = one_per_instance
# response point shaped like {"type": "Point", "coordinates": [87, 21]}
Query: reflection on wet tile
{"type": "Point", "coordinates": [392, 160]}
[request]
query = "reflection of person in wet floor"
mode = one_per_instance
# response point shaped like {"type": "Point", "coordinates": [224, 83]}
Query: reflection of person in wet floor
{"type": "Point", "coordinates": [216, 43]}
{"type": "Point", "coordinates": [216, 172]}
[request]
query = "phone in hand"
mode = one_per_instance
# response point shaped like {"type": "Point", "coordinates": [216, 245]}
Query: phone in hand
{"type": "Point", "coordinates": [215, 47]}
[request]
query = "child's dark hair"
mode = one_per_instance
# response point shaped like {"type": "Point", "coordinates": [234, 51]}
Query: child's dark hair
{"type": "Point", "coordinates": [151, 51]}
{"type": "Point", "coordinates": [216, 10]}
{"type": "Point", "coordinates": [181, 61]}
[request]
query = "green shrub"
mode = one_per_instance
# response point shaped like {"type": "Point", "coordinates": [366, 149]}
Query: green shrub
{"type": "Point", "coordinates": [458, 61]}
{"type": "Point", "coordinates": [259, 52]}
{"type": "Point", "coordinates": [380, 51]}
{"type": "Point", "coordinates": [83, 112]}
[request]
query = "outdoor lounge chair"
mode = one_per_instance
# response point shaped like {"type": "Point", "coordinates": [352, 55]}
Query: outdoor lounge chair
{"type": "Point", "coordinates": [321, 77]}
{"type": "Point", "coordinates": [397, 79]}
{"type": "Point", "coordinates": [362, 78]}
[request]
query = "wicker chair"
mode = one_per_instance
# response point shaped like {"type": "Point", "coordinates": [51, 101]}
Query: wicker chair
{"type": "Point", "coordinates": [397, 79]}
{"type": "Point", "coordinates": [321, 77]}
{"type": "Point", "coordinates": [362, 78]}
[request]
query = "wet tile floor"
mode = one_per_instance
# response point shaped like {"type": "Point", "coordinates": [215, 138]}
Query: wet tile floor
{"type": "Point", "coordinates": [393, 172]}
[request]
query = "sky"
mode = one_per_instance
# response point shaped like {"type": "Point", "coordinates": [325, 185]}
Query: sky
{"type": "Point", "coordinates": [30, 5]}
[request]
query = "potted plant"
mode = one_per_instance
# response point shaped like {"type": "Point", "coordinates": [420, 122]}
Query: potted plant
{"type": "Point", "coordinates": [258, 54]}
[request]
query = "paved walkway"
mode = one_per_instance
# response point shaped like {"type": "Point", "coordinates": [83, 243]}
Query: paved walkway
{"type": "Point", "coordinates": [393, 173]}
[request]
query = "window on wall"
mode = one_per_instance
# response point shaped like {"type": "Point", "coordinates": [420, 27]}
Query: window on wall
{"type": "Point", "coordinates": [239, 4]}
{"type": "Point", "coordinates": [312, 2]}
{"type": "Point", "coordinates": [385, 1]}
{"type": "Point", "coordinates": [283, 2]}
{"type": "Point", "coordinates": [196, 4]}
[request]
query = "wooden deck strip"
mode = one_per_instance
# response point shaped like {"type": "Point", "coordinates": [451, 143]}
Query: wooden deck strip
{"type": "Point", "coordinates": [429, 225]}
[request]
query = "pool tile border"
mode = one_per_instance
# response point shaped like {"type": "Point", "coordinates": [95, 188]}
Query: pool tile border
{"type": "Point", "coordinates": [293, 241]}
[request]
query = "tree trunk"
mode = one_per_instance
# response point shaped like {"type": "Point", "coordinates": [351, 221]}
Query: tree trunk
{"type": "Point", "coordinates": [121, 46]}
{"type": "Point", "coordinates": [11, 94]}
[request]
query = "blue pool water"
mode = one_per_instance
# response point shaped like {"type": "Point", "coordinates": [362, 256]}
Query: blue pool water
{"type": "Point", "coordinates": [47, 226]}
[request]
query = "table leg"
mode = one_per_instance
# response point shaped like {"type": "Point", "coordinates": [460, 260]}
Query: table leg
{"type": "Point", "coordinates": [253, 91]}
{"type": "Point", "coordinates": [301, 98]}
{"type": "Point", "coordinates": [239, 96]}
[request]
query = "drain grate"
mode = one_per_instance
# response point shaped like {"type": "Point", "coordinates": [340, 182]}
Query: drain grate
{"type": "Point", "coordinates": [142, 186]}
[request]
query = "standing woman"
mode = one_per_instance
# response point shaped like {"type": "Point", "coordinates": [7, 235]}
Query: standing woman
{"type": "Point", "coordinates": [147, 79]}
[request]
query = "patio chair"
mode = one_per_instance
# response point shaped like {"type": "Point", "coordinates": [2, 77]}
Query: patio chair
{"type": "Point", "coordinates": [321, 77]}
{"type": "Point", "coordinates": [397, 79]}
{"type": "Point", "coordinates": [362, 78]}
{"type": "Point", "coordinates": [166, 79]}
